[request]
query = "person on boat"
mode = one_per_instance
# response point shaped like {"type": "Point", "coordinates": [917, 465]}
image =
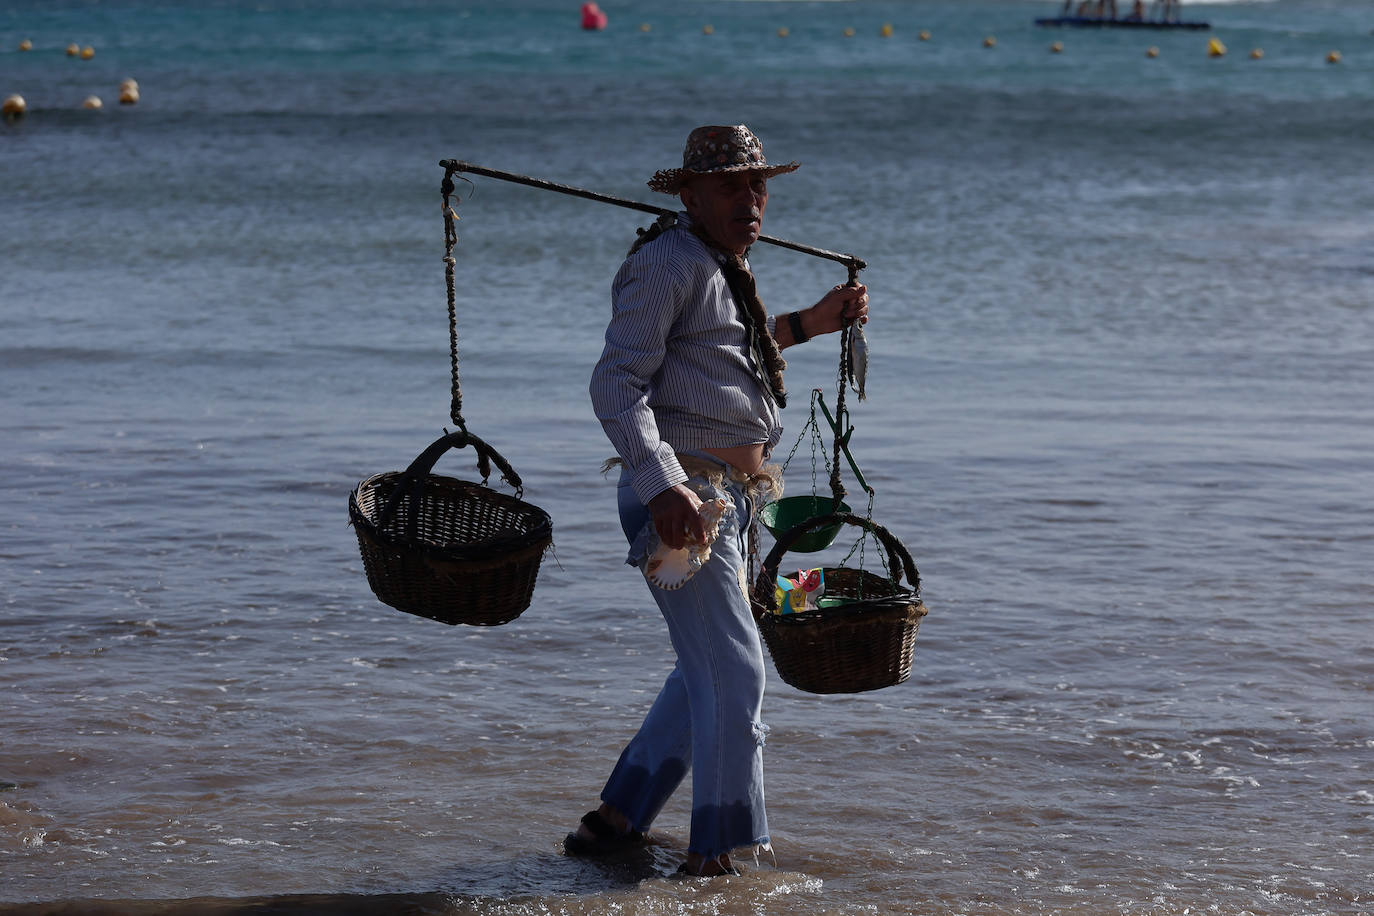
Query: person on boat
{"type": "Point", "coordinates": [1106, 9]}
{"type": "Point", "coordinates": [1137, 13]}
{"type": "Point", "coordinates": [688, 389]}
{"type": "Point", "coordinates": [1169, 10]}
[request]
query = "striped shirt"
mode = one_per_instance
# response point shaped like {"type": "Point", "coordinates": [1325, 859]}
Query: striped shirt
{"type": "Point", "coordinates": [676, 373]}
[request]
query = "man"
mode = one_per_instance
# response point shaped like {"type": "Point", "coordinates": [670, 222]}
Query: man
{"type": "Point", "coordinates": [688, 390]}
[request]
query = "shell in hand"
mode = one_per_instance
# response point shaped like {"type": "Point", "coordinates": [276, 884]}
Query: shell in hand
{"type": "Point", "coordinates": [668, 568]}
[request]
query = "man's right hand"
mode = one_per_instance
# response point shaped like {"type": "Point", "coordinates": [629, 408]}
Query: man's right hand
{"type": "Point", "coordinates": [676, 512]}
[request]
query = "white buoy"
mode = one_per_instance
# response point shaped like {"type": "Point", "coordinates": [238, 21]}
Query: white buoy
{"type": "Point", "coordinates": [1152, 51]}
{"type": "Point", "coordinates": [128, 96]}
{"type": "Point", "coordinates": [990, 42]}
{"type": "Point", "coordinates": [13, 106]}
{"type": "Point", "coordinates": [93, 102]}
{"type": "Point", "coordinates": [1334, 57]}
{"type": "Point", "coordinates": [26, 45]}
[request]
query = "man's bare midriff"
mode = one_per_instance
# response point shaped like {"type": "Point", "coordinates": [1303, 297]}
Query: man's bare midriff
{"type": "Point", "coordinates": [748, 458]}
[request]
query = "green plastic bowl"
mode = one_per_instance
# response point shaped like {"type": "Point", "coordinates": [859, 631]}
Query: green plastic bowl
{"type": "Point", "coordinates": [781, 516]}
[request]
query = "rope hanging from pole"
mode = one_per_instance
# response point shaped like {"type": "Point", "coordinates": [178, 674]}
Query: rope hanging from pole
{"type": "Point", "coordinates": [841, 438]}
{"type": "Point", "coordinates": [455, 410]}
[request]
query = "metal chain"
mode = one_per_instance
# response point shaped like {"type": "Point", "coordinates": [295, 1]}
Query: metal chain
{"type": "Point", "coordinates": [815, 447]}
{"type": "Point", "coordinates": [796, 445]}
{"type": "Point", "coordinates": [816, 440]}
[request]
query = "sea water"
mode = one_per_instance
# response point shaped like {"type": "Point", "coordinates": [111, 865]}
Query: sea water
{"type": "Point", "coordinates": [1119, 411]}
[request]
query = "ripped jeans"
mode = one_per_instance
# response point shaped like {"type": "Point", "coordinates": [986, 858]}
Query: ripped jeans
{"type": "Point", "coordinates": [706, 717]}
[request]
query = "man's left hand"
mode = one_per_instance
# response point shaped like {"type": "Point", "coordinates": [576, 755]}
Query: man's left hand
{"type": "Point", "coordinates": [835, 308]}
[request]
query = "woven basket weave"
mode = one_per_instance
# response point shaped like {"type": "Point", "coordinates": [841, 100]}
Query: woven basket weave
{"type": "Point", "coordinates": [864, 645]}
{"type": "Point", "coordinates": [447, 549]}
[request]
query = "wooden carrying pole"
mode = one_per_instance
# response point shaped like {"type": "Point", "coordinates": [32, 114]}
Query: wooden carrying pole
{"type": "Point", "coordinates": [458, 166]}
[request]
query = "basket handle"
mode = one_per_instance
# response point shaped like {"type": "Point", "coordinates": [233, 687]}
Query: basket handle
{"type": "Point", "coordinates": [412, 478]}
{"type": "Point", "coordinates": [765, 589]}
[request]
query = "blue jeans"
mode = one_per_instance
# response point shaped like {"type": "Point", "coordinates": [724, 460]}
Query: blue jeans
{"type": "Point", "coordinates": [706, 717]}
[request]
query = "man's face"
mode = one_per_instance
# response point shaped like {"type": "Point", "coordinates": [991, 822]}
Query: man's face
{"type": "Point", "coordinates": [729, 206]}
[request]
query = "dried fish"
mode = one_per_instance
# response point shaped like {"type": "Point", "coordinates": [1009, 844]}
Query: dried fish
{"type": "Point", "coordinates": [858, 358]}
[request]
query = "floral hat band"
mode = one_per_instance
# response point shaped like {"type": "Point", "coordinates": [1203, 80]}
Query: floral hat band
{"type": "Point", "coordinates": [718, 149]}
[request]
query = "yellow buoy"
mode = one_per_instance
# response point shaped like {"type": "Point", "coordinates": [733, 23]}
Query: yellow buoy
{"type": "Point", "coordinates": [708, 29]}
{"type": "Point", "coordinates": [783, 32]}
{"type": "Point", "coordinates": [1257, 54]}
{"type": "Point", "coordinates": [93, 102]}
{"type": "Point", "coordinates": [886, 30]}
{"type": "Point", "coordinates": [13, 106]}
{"type": "Point", "coordinates": [73, 50]}
{"type": "Point", "coordinates": [644, 27]}
{"type": "Point", "coordinates": [1152, 52]}
{"type": "Point", "coordinates": [1215, 48]}
{"type": "Point", "coordinates": [26, 45]}
{"type": "Point", "coordinates": [87, 52]}
{"type": "Point", "coordinates": [989, 42]}
{"type": "Point", "coordinates": [1057, 47]}
{"type": "Point", "coordinates": [128, 96]}
{"type": "Point", "coordinates": [849, 32]}
{"type": "Point", "coordinates": [1334, 57]}
{"type": "Point", "coordinates": [924, 35]}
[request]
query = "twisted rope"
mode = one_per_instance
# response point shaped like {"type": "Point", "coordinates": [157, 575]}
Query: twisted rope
{"type": "Point", "coordinates": [455, 408]}
{"type": "Point", "coordinates": [836, 485]}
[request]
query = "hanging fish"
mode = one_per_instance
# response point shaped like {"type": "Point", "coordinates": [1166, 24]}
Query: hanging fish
{"type": "Point", "coordinates": [858, 358]}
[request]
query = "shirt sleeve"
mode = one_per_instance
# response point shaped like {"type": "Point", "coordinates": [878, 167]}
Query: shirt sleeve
{"type": "Point", "coordinates": [646, 300]}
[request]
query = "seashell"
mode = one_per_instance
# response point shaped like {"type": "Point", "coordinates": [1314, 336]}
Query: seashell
{"type": "Point", "coordinates": [668, 568]}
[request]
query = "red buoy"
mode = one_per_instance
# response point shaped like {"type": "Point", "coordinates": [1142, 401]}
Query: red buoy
{"type": "Point", "coordinates": [593, 17]}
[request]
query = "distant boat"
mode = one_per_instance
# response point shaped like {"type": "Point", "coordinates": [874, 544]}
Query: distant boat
{"type": "Point", "coordinates": [1088, 22]}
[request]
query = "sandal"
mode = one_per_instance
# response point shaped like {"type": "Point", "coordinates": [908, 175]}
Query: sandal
{"type": "Point", "coordinates": [604, 839]}
{"type": "Point", "coordinates": [733, 870]}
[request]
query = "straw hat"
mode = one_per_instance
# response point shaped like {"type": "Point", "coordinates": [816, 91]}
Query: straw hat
{"type": "Point", "coordinates": [718, 149]}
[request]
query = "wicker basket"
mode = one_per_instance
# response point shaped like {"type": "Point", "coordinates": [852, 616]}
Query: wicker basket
{"type": "Point", "coordinates": [866, 644]}
{"type": "Point", "coordinates": [446, 549]}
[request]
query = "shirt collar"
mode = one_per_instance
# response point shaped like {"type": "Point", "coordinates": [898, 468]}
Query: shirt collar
{"type": "Point", "coordinates": [684, 220]}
